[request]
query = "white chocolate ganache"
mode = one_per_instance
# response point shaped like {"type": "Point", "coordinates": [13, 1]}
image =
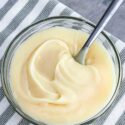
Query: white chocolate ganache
{"type": "Point", "coordinates": [51, 86]}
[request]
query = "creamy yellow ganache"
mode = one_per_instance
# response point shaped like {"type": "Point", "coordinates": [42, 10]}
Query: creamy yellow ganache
{"type": "Point", "coordinates": [51, 86]}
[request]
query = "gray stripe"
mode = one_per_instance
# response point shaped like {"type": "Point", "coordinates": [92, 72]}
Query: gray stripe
{"type": "Point", "coordinates": [101, 120]}
{"type": "Point", "coordinates": [23, 122]}
{"type": "Point", "coordinates": [47, 10]}
{"type": "Point", "coordinates": [122, 55]}
{"type": "Point", "coordinates": [1, 93]}
{"type": "Point", "coordinates": [66, 12]}
{"type": "Point", "coordinates": [6, 8]}
{"type": "Point", "coordinates": [121, 121]}
{"type": "Point", "coordinates": [6, 115]}
{"type": "Point", "coordinates": [106, 45]}
{"type": "Point", "coordinates": [17, 20]}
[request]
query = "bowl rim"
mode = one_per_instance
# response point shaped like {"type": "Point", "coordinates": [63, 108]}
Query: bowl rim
{"type": "Point", "coordinates": [22, 113]}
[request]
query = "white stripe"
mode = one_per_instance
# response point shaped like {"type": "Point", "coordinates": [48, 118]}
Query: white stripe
{"type": "Point", "coordinates": [4, 104]}
{"type": "Point", "coordinates": [120, 45]}
{"type": "Point", "coordinates": [14, 120]}
{"type": "Point", "coordinates": [2, 3]}
{"type": "Point", "coordinates": [74, 14]}
{"type": "Point", "coordinates": [27, 21]}
{"type": "Point", "coordinates": [57, 10]}
{"type": "Point", "coordinates": [6, 20]}
{"type": "Point", "coordinates": [116, 112]}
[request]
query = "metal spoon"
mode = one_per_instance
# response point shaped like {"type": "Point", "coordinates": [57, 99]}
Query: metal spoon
{"type": "Point", "coordinates": [80, 57]}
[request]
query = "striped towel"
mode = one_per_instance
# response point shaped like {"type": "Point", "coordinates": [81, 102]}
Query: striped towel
{"type": "Point", "coordinates": [15, 15]}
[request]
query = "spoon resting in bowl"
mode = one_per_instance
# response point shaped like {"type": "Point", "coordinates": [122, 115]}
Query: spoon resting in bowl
{"type": "Point", "coordinates": [115, 4]}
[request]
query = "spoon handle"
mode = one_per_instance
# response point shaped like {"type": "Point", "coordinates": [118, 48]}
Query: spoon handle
{"type": "Point", "coordinates": [103, 21]}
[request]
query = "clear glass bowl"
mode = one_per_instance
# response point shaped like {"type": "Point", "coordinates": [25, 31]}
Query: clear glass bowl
{"type": "Point", "coordinates": [70, 22]}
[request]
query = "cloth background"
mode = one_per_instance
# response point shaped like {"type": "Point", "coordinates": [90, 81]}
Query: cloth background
{"type": "Point", "coordinates": [15, 15]}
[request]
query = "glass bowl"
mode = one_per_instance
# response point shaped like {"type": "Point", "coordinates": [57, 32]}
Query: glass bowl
{"type": "Point", "coordinates": [70, 22]}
